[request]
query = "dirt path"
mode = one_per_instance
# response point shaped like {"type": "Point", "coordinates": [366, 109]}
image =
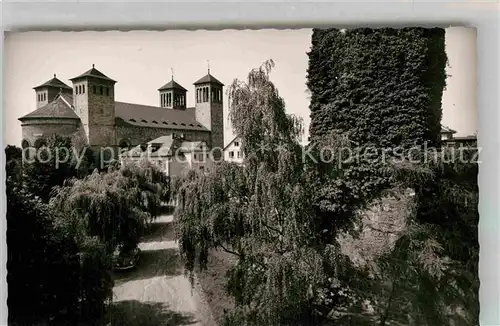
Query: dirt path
{"type": "Point", "coordinates": [156, 292]}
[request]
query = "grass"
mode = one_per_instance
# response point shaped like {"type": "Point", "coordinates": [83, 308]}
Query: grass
{"type": "Point", "coordinates": [213, 282]}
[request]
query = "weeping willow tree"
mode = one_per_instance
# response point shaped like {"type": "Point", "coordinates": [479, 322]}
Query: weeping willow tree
{"type": "Point", "coordinates": [113, 206]}
{"type": "Point", "coordinates": [260, 212]}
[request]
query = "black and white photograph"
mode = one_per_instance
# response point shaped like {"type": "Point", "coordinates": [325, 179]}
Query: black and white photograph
{"type": "Point", "coordinates": [266, 177]}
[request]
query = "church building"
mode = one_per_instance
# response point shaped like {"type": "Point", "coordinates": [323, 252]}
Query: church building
{"type": "Point", "coordinates": [89, 108]}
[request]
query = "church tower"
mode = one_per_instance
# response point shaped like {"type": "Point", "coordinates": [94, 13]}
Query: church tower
{"type": "Point", "coordinates": [46, 92]}
{"type": "Point", "coordinates": [172, 96]}
{"type": "Point", "coordinates": [209, 109]}
{"type": "Point", "coordinates": [94, 102]}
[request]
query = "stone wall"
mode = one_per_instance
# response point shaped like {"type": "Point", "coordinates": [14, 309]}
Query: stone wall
{"type": "Point", "coordinates": [35, 129]}
{"type": "Point", "coordinates": [381, 224]}
{"type": "Point", "coordinates": [101, 108]}
{"type": "Point", "coordinates": [96, 110]}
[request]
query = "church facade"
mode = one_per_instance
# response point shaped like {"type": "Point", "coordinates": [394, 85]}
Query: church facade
{"type": "Point", "coordinates": [89, 108]}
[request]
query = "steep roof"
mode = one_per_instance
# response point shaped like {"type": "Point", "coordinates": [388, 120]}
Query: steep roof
{"type": "Point", "coordinates": [172, 85]}
{"type": "Point", "coordinates": [232, 141]}
{"type": "Point", "coordinates": [93, 73]}
{"type": "Point", "coordinates": [66, 97]}
{"type": "Point", "coordinates": [208, 79]}
{"type": "Point", "coordinates": [57, 109]}
{"type": "Point", "coordinates": [156, 117]}
{"type": "Point", "coordinates": [54, 82]}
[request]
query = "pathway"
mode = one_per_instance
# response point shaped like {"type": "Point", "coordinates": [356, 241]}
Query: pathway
{"type": "Point", "coordinates": [156, 292]}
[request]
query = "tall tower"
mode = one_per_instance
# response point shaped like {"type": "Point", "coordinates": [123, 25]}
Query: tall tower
{"type": "Point", "coordinates": [172, 96]}
{"type": "Point", "coordinates": [209, 109]}
{"type": "Point", "coordinates": [46, 92]}
{"type": "Point", "coordinates": [94, 102]}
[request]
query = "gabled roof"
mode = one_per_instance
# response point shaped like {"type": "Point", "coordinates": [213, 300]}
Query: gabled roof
{"type": "Point", "coordinates": [172, 85]}
{"type": "Point", "coordinates": [232, 141]}
{"type": "Point", "coordinates": [208, 79]}
{"type": "Point", "coordinates": [66, 97]}
{"type": "Point", "coordinates": [54, 82]}
{"type": "Point", "coordinates": [57, 109]}
{"type": "Point", "coordinates": [93, 73]}
{"type": "Point", "coordinates": [156, 117]}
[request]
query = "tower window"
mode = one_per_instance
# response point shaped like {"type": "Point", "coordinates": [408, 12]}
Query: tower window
{"type": "Point", "coordinates": [94, 89]}
{"type": "Point", "coordinates": [44, 96]}
{"type": "Point", "coordinates": [101, 90]}
{"type": "Point", "coordinates": [107, 91]}
{"type": "Point", "coordinates": [83, 89]}
{"type": "Point", "coordinates": [38, 97]}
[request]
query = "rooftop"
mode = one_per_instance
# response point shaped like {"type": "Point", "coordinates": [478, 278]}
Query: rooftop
{"type": "Point", "coordinates": [208, 79]}
{"type": "Point", "coordinates": [172, 85]}
{"type": "Point", "coordinates": [156, 117]}
{"type": "Point", "coordinates": [164, 146]}
{"type": "Point", "coordinates": [93, 73]}
{"type": "Point", "coordinates": [57, 109]}
{"type": "Point", "coordinates": [54, 82]}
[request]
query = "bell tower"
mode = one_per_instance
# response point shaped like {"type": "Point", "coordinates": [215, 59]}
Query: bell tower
{"type": "Point", "coordinates": [209, 110]}
{"type": "Point", "coordinates": [172, 95]}
{"type": "Point", "coordinates": [46, 92]}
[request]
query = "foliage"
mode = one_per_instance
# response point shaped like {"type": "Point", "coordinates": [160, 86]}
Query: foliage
{"type": "Point", "coordinates": [49, 166]}
{"type": "Point", "coordinates": [430, 278]}
{"type": "Point", "coordinates": [260, 212]}
{"type": "Point", "coordinates": [381, 89]}
{"type": "Point", "coordinates": [113, 206]}
{"type": "Point", "coordinates": [52, 279]}
{"type": "Point", "coordinates": [13, 165]}
{"type": "Point", "coordinates": [381, 86]}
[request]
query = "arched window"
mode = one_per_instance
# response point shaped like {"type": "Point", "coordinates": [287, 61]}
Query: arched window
{"type": "Point", "coordinates": [124, 143]}
{"type": "Point", "coordinates": [40, 142]}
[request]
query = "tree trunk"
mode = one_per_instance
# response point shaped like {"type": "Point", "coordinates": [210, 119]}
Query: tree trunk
{"type": "Point", "coordinates": [383, 317]}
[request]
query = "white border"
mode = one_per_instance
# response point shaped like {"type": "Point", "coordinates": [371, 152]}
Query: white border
{"type": "Point", "coordinates": [70, 15]}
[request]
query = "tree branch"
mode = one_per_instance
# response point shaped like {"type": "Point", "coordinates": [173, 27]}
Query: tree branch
{"type": "Point", "coordinates": [229, 251]}
{"type": "Point", "coordinates": [272, 228]}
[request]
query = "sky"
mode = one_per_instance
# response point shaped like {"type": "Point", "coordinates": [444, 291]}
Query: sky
{"type": "Point", "coordinates": [142, 61]}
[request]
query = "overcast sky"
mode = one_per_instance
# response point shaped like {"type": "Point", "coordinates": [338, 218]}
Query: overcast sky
{"type": "Point", "coordinates": [141, 62]}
